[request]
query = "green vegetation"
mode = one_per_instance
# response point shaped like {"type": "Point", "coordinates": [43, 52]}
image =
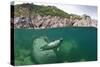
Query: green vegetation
{"type": "Point", "coordinates": [30, 9]}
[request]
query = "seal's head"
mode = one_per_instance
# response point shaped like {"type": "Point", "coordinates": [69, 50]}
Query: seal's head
{"type": "Point", "coordinates": [61, 39]}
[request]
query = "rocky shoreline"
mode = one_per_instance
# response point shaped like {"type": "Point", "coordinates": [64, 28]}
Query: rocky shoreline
{"type": "Point", "coordinates": [42, 22]}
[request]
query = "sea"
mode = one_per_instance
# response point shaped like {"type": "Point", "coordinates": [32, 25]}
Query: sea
{"type": "Point", "coordinates": [79, 44]}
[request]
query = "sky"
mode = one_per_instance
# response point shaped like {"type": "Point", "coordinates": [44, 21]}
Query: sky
{"type": "Point", "coordinates": [75, 9]}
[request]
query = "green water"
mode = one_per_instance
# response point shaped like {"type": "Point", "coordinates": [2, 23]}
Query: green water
{"type": "Point", "coordinates": [79, 44]}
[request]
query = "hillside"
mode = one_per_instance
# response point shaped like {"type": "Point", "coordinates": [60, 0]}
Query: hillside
{"type": "Point", "coordinates": [32, 9]}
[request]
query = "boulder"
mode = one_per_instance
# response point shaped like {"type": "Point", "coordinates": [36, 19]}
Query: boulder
{"type": "Point", "coordinates": [41, 57]}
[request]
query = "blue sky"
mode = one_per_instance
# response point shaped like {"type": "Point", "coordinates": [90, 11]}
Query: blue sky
{"type": "Point", "coordinates": [75, 9]}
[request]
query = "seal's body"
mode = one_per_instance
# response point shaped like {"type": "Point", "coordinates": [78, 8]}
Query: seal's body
{"type": "Point", "coordinates": [52, 45]}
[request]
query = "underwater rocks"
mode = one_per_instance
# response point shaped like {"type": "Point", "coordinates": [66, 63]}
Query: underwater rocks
{"type": "Point", "coordinates": [69, 51]}
{"type": "Point", "coordinates": [41, 22]}
{"type": "Point", "coordinates": [41, 57]}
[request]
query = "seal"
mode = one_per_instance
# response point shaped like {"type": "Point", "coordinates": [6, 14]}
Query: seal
{"type": "Point", "coordinates": [52, 45]}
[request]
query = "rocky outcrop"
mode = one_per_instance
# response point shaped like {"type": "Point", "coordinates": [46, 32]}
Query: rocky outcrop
{"type": "Point", "coordinates": [41, 22]}
{"type": "Point", "coordinates": [86, 21]}
{"type": "Point", "coordinates": [41, 57]}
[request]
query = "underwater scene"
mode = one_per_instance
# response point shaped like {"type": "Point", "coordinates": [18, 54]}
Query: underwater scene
{"type": "Point", "coordinates": [58, 45]}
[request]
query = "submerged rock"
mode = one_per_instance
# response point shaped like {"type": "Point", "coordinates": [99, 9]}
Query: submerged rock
{"type": "Point", "coordinates": [47, 56]}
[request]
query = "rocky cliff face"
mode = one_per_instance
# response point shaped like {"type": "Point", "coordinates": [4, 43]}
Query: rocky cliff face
{"type": "Point", "coordinates": [41, 22]}
{"type": "Point", "coordinates": [86, 21]}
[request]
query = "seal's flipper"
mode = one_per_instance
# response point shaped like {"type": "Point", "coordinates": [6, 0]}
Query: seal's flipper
{"type": "Point", "coordinates": [58, 49]}
{"type": "Point", "coordinates": [44, 47]}
{"type": "Point", "coordinates": [55, 49]}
